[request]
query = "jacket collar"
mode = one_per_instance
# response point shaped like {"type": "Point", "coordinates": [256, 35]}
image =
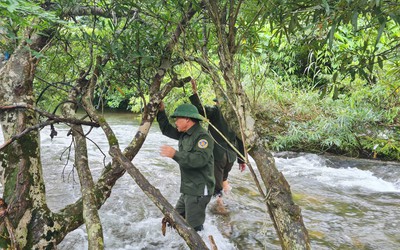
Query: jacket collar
{"type": "Point", "coordinates": [192, 129]}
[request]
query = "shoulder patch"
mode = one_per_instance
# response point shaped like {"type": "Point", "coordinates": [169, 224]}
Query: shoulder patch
{"type": "Point", "coordinates": [203, 143]}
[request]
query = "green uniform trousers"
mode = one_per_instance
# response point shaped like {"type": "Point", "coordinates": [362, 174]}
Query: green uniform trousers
{"type": "Point", "coordinates": [193, 209]}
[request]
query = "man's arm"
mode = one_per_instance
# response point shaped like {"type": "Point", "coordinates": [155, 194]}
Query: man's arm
{"type": "Point", "coordinates": [242, 164]}
{"type": "Point", "coordinates": [166, 128]}
{"type": "Point", "coordinates": [195, 100]}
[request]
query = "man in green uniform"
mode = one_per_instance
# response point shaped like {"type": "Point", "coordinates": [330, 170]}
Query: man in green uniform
{"type": "Point", "coordinates": [195, 159]}
{"type": "Point", "coordinates": [224, 155]}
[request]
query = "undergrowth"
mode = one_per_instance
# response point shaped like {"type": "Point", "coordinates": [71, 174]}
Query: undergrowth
{"type": "Point", "coordinates": [362, 123]}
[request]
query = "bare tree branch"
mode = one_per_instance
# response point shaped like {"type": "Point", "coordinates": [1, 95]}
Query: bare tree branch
{"type": "Point", "coordinates": [54, 118]}
{"type": "Point", "coordinates": [26, 131]}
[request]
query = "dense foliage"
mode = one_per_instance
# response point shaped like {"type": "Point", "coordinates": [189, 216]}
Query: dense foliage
{"type": "Point", "coordinates": [342, 98]}
{"type": "Point", "coordinates": [319, 96]}
{"type": "Point", "coordinates": [329, 72]}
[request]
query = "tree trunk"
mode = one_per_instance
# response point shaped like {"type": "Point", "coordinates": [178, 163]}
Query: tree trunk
{"type": "Point", "coordinates": [24, 189]}
{"type": "Point", "coordinates": [285, 215]}
{"type": "Point", "coordinates": [81, 164]}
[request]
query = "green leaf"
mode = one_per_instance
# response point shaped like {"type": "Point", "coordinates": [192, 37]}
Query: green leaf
{"type": "Point", "coordinates": [380, 31]}
{"type": "Point", "coordinates": [365, 45]}
{"type": "Point", "coordinates": [335, 75]}
{"type": "Point", "coordinates": [326, 5]}
{"type": "Point", "coordinates": [354, 21]}
{"type": "Point", "coordinates": [380, 62]}
{"type": "Point", "coordinates": [12, 6]}
{"type": "Point", "coordinates": [331, 35]}
{"type": "Point", "coordinates": [111, 25]}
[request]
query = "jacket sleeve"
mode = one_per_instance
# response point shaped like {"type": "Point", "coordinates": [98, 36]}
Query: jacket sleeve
{"type": "Point", "coordinates": [195, 100]}
{"type": "Point", "coordinates": [241, 150]}
{"type": "Point", "coordinates": [166, 128]}
{"type": "Point", "coordinates": [198, 155]}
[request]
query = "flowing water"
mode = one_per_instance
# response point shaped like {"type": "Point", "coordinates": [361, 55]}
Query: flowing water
{"type": "Point", "coordinates": [346, 203]}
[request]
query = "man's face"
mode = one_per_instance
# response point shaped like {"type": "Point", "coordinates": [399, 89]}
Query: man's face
{"type": "Point", "coordinates": [182, 123]}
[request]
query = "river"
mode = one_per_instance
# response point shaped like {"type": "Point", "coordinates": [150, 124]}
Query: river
{"type": "Point", "coordinates": [346, 203]}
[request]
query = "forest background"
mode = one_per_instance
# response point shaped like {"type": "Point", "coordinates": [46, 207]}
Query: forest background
{"type": "Point", "coordinates": [327, 85]}
{"type": "Point", "coordinates": [309, 76]}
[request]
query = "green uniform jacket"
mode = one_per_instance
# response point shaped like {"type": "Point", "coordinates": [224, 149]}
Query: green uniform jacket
{"type": "Point", "coordinates": [195, 157]}
{"type": "Point", "coordinates": [221, 147]}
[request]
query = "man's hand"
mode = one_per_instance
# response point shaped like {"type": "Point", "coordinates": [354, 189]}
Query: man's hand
{"type": "Point", "coordinates": [167, 151]}
{"type": "Point", "coordinates": [242, 167]}
{"type": "Point", "coordinates": [161, 106]}
{"type": "Point", "coordinates": [194, 86]}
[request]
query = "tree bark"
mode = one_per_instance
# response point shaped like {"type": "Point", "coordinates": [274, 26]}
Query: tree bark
{"type": "Point", "coordinates": [81, 163]}
{"type": "Point", "coordinates": [284, 213]}
{"type": "Point", "coordinates": [24, 189]}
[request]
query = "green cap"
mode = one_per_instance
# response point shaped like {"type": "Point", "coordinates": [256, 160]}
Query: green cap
{"type": "Point", "coordinates": [187, 110]}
